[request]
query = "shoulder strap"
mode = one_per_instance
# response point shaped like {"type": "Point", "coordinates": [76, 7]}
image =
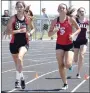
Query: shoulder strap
{"type": "Point", "coordinates": [77, 19]}
{"type": "Point", "coordinates": [15, 18]}
{"type": "Point", "coordinates": [57, 19]}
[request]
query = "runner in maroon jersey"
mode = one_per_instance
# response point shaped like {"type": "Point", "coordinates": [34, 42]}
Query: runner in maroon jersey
{"type": "Point", "coordinates": [64, 44]}
{"type": "Point", "coordinates": [80, 44]}
{"type": "Point", "coordinates": [19, 44]}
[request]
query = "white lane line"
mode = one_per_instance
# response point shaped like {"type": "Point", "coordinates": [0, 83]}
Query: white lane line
{"type": "Point", "coordinates": [6, 53]}
{"type": "Point", "coordinates": [29, 71]}
{"type": "Point", "coordinates": [79, 85]}
{"type": "Point", "coordinates": [32, 65]}
{"type": "Point", "coordinates": [43, 58]}
{"type": "Point", "coordinates": [24, 60]}
{"type": "Point", "coordinates": [33, 52]}
{"type": "Point", "coordinates": [28, 66]}
{"type": "Point", "coordinates": [33, 55]}
{"type": "Point", "coordinates": [36, 79]}
{"type": "Point", "coordinates": [26, 54]}
{"type": "Point", "coordinates": [8, 62]}
{"type": "Point", "coordinates": [34, 49]}
{"type": "Point", "coordinates": [30, 55]}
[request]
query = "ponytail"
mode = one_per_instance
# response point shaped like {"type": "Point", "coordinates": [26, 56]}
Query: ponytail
{"type": "Point", "coordinates": [28, 10]}
{"type": "Point", "coordinates": [70, 11]}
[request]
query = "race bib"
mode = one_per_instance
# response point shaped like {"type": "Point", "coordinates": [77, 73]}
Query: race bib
{"type": "Point", "coordinates": [17, 25]}
{"type": "Point", "coordinates": [62, 31]}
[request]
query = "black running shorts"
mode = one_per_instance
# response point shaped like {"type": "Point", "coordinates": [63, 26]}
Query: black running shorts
{"type": "Point", "coordinates": [65, 47]}
{"type": "Point", "coordinates": [14, 48]}
{"type": "Point", "coordinates": [77, 44]}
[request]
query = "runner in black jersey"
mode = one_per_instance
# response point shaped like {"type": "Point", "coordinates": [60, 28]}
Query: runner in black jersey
{"type": "Point", "coordinates": [80, 44]}
{"type": "Point", "coordinates": [19, 44]}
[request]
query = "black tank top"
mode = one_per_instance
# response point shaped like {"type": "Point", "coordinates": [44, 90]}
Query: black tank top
{"type": "Point", "coordinates": [83, 26]}
{"type": "Point", "coordinates": [19, 38]}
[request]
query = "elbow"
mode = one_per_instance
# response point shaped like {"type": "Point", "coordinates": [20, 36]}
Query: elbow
{"type": "Point", "coordinates": [78, 30]}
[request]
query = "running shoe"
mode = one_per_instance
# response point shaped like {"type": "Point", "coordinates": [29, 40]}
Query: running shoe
{"type": "Point", "coordinates": [17, 84]}
{"type": "Point", "coordinates": [22, 83]}
{"type": "Point", "coordinates": [65, 87]}
{"type": "Point", "coordinates": [71, 69]}
{"type": "Point", "coordinates": [78, 76]}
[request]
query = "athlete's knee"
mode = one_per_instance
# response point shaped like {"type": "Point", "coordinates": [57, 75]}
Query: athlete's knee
{"type": "Point", "coordinates": [82, 55]}
{"type": "Point", "coordinates": [68, 64]}
{"type": "Point", "coordinates": [75, 59]}
{"type": "Point", "coordinates": [61, 65]}
{"type": "Point", "coordinates": [20, 58]}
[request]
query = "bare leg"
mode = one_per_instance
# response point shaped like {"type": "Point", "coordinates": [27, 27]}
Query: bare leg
{"type": "Point", "coordinates": [60, 59]}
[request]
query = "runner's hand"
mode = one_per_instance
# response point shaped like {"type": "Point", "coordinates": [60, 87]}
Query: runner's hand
{"type": "Point", "coordinates": [56, 29]}
{"type": "Point", "coordinates": [71, 37]}
{"type": "Point", "coordinates": [23, 30]}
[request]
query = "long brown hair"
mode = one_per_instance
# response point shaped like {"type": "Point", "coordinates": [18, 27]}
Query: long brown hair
{"type": "Point", "coordinates": [70, 10]}
{"type": "Point", "coordinates": [28, 10]}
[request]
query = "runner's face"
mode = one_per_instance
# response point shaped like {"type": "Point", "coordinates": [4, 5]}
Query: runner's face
{"type": "Point", "coordinates": [81, 12]}
{"type": "Point", "coordinates": [20, 8]}
{"type": "Point", "coordinates": [27, 13]}
{"type": "Point", "coordinates": [62, 9]}
{"type": "Point", "coordinates": [6, 13]}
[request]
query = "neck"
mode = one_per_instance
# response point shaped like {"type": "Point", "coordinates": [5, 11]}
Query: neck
{"type": "Point", "coordinates": [20, 16]}
{"type": "Point", "coordinates": [82, 18]}
{"type": "Point", "coordinates": [62, 17]}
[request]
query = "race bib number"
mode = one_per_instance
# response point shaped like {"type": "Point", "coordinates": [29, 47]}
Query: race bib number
{"type": "Point", "coordinates": [17, 25]}
{"type": "Point", "coordinates": [62, 31]}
